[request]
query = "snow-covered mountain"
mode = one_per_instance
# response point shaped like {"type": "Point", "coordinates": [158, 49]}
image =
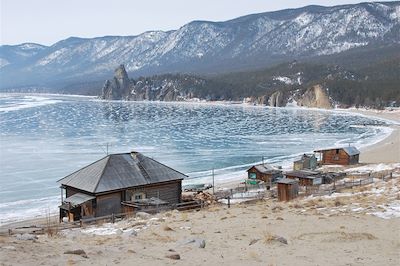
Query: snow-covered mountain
{"type": "Point", "coordinates": [206, 47]}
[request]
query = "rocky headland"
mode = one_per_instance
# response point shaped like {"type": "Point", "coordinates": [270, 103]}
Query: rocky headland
{"type": "Point", "coordinates": [183, 87]}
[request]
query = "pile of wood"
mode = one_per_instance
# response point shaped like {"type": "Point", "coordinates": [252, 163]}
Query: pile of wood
{"type": "Point", "coordinates": [206, 197]}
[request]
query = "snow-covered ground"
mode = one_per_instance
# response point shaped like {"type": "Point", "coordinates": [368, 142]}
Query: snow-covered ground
{"type": "Point", "coordinates": [381, 199]}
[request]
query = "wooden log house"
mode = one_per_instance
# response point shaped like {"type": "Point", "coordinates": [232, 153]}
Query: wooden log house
{"type": "Point", "coordinates": [264, 172]}
{"type": "Point", "coordinates": [305, 177]}
{"type": "Point", "coordinates": [307, 161]}
{"type": "Point", "coordinates": [99, 189]}
{"type": "Point", "coordinates": [342, 156]}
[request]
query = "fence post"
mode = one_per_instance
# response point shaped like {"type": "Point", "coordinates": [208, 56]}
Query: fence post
{"type": "Point", "coordinates": [112, 218]}
{"type": "Point", "coordinates": [229, 202]}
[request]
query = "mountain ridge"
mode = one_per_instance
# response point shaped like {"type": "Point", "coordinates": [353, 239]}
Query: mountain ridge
{"type": "Point", "coordinates": [251, 41]}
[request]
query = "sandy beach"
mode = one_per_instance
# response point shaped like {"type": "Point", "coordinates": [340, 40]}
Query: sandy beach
{"type": "Point", "coordinates": [387, 150]}
{"type": "Point", "coordinates": [312, 231]}
{"type": "Point", "coordinates": [360, 226]}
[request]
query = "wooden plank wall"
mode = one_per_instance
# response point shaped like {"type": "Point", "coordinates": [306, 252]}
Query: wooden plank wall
{"type": "Point", "coordinates": [332, 157]}
{"type": "Point", "coordinates": [108, 204]}
{"type": "Point", "coordinates": [170, 192]}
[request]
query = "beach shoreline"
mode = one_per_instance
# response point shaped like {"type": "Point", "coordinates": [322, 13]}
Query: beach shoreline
{"type": "Point", "coordinates": [386, 150]}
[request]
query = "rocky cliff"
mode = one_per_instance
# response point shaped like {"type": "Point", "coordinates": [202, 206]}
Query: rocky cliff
{"type": "Point", "coordinates": [315, 97]}
{"type": "Point", "coordinates": [156, 88]}
{"type": "Point", "coordinates": [118, 87]}
{"type": "Point", "coordinates": [277, 99]}
{"type": "Point", "coordinates": [292, 83]}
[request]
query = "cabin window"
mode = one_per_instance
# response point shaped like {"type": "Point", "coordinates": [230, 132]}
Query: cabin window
{"type": "Point", "coordinates": [139, 196]}
{"type": "Point", "coordinates": [134, 194]}
{"type": "Point", "coordinates": [252, 175]}
{"type": "Point", "coordinates": [337, 151]}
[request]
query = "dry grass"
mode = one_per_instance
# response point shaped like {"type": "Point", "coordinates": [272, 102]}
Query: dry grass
{"type": "Point", "coordinates": [296, 205]}
{"type": "Point", "coordinates": [51, 228]}
{"type": "Point", "coordinates": [161, 238]}
{"type": "Point", "coordinates": [184, 216]}
{"type": "Point", "coordinates": [167, 228]}
{"type": "Point", "coordinates": [277, 208]}
{"type": "Point", "coordinates": [356, 236]}
{"type": "Point", "coordinates": [268, 238]}
{"type": "Point", "coordinates": [254, 255]}
{"type": "Point", "coordinates": [310, 203]}
{"type": "Point", "coordinates": [338, 203]}
{"type": "Point", "coordinates": [337, 236]}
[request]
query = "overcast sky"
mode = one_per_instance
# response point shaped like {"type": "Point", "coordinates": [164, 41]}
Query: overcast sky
{"type": "Point", "coordinates": [49, 21]}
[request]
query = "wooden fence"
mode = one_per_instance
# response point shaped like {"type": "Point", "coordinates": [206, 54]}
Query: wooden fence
{"type": "Point", "coordinates": [183, 206]}
{"type": "Point", "coordinates": [243, 191]}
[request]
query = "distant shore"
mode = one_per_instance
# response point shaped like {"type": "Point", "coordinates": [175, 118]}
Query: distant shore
{"type": "Point", "coordinates": [388, 149]}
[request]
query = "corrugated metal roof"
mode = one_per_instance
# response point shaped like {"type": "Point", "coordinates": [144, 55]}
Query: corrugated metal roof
{"type": "Point", "coordinates": [264, 168]}
{"type": "Point", "coordinates": [78, 198]}
{"type": "Point", "coordinates": [118, 171]}
{"type": "Point", "coordinates": [350, 150]}
{"type": "Point", "coordinates": [302, 173]}
{"type": "Point", "coordinates": [287, 181]}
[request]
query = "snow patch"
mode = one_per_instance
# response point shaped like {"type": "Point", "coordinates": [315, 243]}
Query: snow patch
{"type": "Point", "coordinates": [390, 211]}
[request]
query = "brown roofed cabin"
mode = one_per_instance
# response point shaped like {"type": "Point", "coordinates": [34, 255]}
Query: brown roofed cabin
{"type": "Point", "coordinates": [341, 156]}
{"type": "Point", "coordinates": [99, 188]}
{"type": "Point", "coordinates": [305, 177]}
{"type": "Point", "coordinates": [264, 172]}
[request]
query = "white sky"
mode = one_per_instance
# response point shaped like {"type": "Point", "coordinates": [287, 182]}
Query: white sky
{"type": "Point", "coordinates": [49, 21]}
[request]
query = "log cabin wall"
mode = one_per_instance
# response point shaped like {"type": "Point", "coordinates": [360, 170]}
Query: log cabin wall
{"type": "Point", "coordinates": [253, 170]}
{"type": "Point", "coordinates": [335, 156]}
{"type": "Point", "coordinates": [354, 159]}
{"type": "Point", "coordinates": [287, 192]}
{"type": "Point", "coordinates": [69, 191]}
{"type": "Point", "coordinates": [108, 204]}
{"type": "Point", "coordinates": [266, 177]}
{"type": "Point", "coordinates": [302, 181]}
{"type": "Point", "coordinates": [170, 192]}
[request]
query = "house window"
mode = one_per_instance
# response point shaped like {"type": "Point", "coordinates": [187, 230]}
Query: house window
{"type": "Point", "coordinates": [139, 196]}
{"type": "Point", "coordinates": [337, 151]}
{"type": "Point", "coordinates": [252, 175]}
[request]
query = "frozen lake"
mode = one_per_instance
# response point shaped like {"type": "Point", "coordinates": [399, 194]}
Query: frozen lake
{"type": "Point", "coordinates": [44, 138]}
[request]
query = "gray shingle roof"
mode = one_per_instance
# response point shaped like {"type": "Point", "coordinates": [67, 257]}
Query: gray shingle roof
{"type": "Point", "coordinates": [78, 198]}
{"type": "Point", "coordinates": [118, 171]}
{"type": "Point", "coordinates": [302, 174]}
{"type": "Point", "coordinates": [264, 168]}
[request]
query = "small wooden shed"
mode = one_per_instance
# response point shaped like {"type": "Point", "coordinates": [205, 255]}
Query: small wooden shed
{"type": "Point", "coordinates": [264, 172]}
{"type": "Point", "coordinates": [305, 177]}
{"type": "Point", "coordinates": [288, 189]}
{"type": "Point", "coordinates": [100, 188]}
{"type": "Point", "coordinates": [342, 156]}
{"type": "Point", "coordinates": [307, 161]}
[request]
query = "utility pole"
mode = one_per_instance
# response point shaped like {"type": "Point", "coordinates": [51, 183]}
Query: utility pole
{"type": "Point", "coordinates": [213, 184]}
{"type": "Point", "coordinates": [263, 160]}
